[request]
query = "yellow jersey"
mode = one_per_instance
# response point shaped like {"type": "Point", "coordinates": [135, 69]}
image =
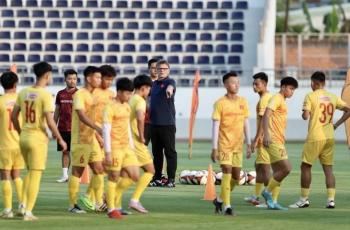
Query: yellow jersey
{"type": "Point", "coordinates": [322, 105]}
{"type": "Point", "coordinates": [137, 103]}
{"type": "Point", "coordinates": [33, 103]}
{"type": "Point", "coordinates": [260, 110]}
{"type": "Point", "coordinates": [231, 114]}
{"type": "Point", "coordinates": [101, 98]}
{"type": "Point", "coordinates": [9, 136]}
{"type": "Point", "coordinates": [118, 115]}
{"type": "Point", "coordinates": [278, 120]}
{"type": "Point", "coordinates": [81, 133]}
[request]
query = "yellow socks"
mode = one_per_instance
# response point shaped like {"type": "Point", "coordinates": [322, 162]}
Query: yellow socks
{"type": "Point", "coordinates": [304, 193]}
{"type": "Point", "coordinates": [97, 185]}
{"type": "Point", "coordinates": [272, 184]}
{"type": "Point", "coordinates": [73, 189]}
{"type": "Point", "coordinates": [24, 189]}
{"type": "Point", "coordinates": [276, 193]}
{"type": "Point", "coordinates": [142, 185]}
{"type": "Point", "coordinates": [258, 189]}
{"type": "Point", "coordinates": [33, 188]}
{"type": "Point", "coordinates": [123, 184]}
{"type": "Point", "coordinates": [331, 194]}
{"type": "Point", "coordinates": [7, 194]}
{"type": "Point", "coordinates": [233, 184]}
{"type": "Point", "coordinates": [226, 188]}
{"type": "Point", "coordinates": [19, 187]}
{"type": "Point", "coordinates": [111, 187]}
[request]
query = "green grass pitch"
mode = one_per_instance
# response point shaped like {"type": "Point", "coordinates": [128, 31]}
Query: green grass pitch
{"type": "Point", "coordinates": [182, 207]}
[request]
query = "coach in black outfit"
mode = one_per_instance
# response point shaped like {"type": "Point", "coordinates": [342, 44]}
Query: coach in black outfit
{"type": "Point", "coordinates": [162, 116]}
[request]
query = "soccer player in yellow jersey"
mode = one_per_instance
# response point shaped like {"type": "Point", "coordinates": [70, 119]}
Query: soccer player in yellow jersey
{"type": "Point", "coordinates": [230, 121]}
{"type": "Point", "coordinates": [274, 125]}
{"type": "Point", "coordinates": [117, 140]}
{"type": "Point", "coordinates": [11, 159]}
{"type": "Point", "coordinates": [84, 144]}
{"type": "Point", "coordinates": [101, 96]}
{"type": "Point", "coordinates": [262, 163]}
{"type": "Point", "coordinates": [36, 107]}
{"type": "Point", "coordinates": [319, 107]}
{"type": "Point", "coordinates": [142, 84]}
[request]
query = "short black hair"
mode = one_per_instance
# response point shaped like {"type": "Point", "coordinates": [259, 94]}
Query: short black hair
{"type": "Point", "coordinates": [108, 71]}
{"type": "Point", "coordinates": [141, 80]}
{"type": "Point", "coordinates": [318, 76]}
{"type": "Point", "coordinates": [262, 76]}
{"type": "Point", "coordinates": [41, 68]}
{"type": "Point", "coordinates": [91, 70]}
{"type": "Point", "coordinates": [8, 80]}
{"type": "Point", "coordinates": [289, 81]}
{"type": "Point", "coordinates": [229, 74]}
{"type": "Point", "coordinates": [153, 60]}
{"type": "Point", "coordinates": [69, 72]}
{"type": "Point", "coordinates": [125, 84]}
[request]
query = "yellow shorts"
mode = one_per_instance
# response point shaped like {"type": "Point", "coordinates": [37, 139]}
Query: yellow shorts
{"type": "Point", "coordinates": [34, 150]}
{"type": "Point", "coordinates": [11, 159]}
{"type": "Point", "coordinates": [142, 154]}
{"type": "Point", "coordinates": [82, 154]}
{"type": "Point", "coordinates": [322, 150]}
{"type": "Point", "coordinates": [233, 158]}
{"type": "Point", "coordinates": [122, 158]}
{"type": "Point", "coordinates": [277, 152]}
{"type": "Point", "coordinates": [262, 156]}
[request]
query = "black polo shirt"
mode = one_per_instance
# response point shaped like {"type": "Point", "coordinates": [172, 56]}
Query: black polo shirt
{"type": "Point", "coordinates": [162, 109]}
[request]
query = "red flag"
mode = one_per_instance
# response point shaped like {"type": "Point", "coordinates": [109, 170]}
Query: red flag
{"type": "Point", "coordinates": [194, 107]}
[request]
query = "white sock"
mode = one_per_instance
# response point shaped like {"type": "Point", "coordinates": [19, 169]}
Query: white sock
{"type": "Point", "coordinates": [111, 210]}
{"type": "Point", "coordinates": [219, 199]}
{"type": "Point", "coordinates": [134, 201]}
{"type": "Point", "coordinates": [227, 206]}
{"type": "Point", "coordinates": [7, 210]}
{"type": "Point", "coordinates": [65, 172]}
{"type": "Point", "coordinates": [28, 213]}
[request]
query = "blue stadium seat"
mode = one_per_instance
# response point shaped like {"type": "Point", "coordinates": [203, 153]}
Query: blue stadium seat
{"type": "Point", "coordinates": [205, 37]}
{"type": "Point", "coordinates": [144, 15]}
{"type": "Point", "coordinates": [98, 36]}
{"type": "Point", "coordinates": [189, 71]}
{"type": "Point", "coordinates": [49, 58]}
{"type": "Point", "coordinates": [129, 70]}
{"type": "Point", "coordinates": [33, 58]}
{"type": "Point", "coordinates": [71, 25]}
{"type": "Point", "coordinates": [160, 15]}
{"type": "Point", "coordinates": [242, 5]}
{"type": "Point", "coordinates": [235, 60]}
{"type": "Point", "coordinates": [67, 36]}
{"type": "Point", "coordinates": [113, 36]}
{"type": "Point", "coordinates": [129, 48]}
{"type": "Point", "coordinates": [19, 35]}
{"type": "Point", "coordinates": [236, 37]}
{"type": "Point", "coordinates": [175, 36]}
{"type": "Point", "coordinates": [102, 25]}
{"type": "Point", "coordinates": [58, 80]}
{"type": "Point", "coordinates": [187, 60]}
{"type": "Point", "coordinates": [237, 49]}
{"type": "Point", "coordinates": [163, 26]}
{"type": "Point", "coordinates": [7, 13]}
{"type": "Point", "coordinates": [18, 58]}
{"type": "Point", "coordinates": [28, 80]}
{"type": "Point", "coordinates": [84, 14]}
{"type": "Point", "coordinates": [144, 36]}
{"type": "Point", "coordinates": [203, 60]}
{"type": "Point", "coordinates": [159, 36]}
{"type": "Point", "coordinates": [98, 14]}
{"type": "Point", "coordinates": [35, 35]}
{"type": "Point", "coordinates": [148, 25]}
{"type": "Point", "coordinates": [82, 47]}
{"type": "Point", "coordinates": [55, 25]}
{"type": "Point", "coordinates": [175, 15]}
{"type": "Point", "coordinates": [32, 3]}
{"type": "Point", "coordinates": [39, 24]}
{"type": "Point", "coordinates": [23, 13]}
{"type": "Point", "coordinates": [62, 3]}
{"type": "Point", "coordinates": [141, 59]}
{"type": "Point", "coordinates": [182, 5]}
{"type": "Point", "coordinates": [38, 14]}
{"type": "Point", "coordinates": [16, 3]}
{"type": "Point", "coordinates": [191, 15]}
{"type": "Point", "coordinates": [221, 48]}
{"type": "Point", "coordinates": [224, 26]}
{"type": "Point", "coordinates": [51, 35]}
{"type": "Point", "coordinates": [178, 26]}
{"type": "Point", "coordinates": [191, 48]}
{"type": "Point", "coordinates": [212, 5]}
{"type": "Point", "coordinates": [145, 48]}
{"type": "Point", "coordinates": [8, 24]}
{"type": "Point", "coordinates": [51, 47]}
{"type": "Point", "coordinates": [160, 48]}
{"type": "Point", "coordinates": [213, 82]}
{"type": "Point", "coordinates": [221, 37]}
{"type": "Point", "coordinates": [86, 25]}
{"type": "Point", "coordinates": [66, 47]}
{"type": "Point", "coordinates": [5, 46]}
{"type": "Point", "coordinates": [173, 59]}
{"type": "Point", "coordinates": [190, 37]}
{"type": "Point", "coordinates": [152, 4]}
{"type": "Point", "coordinates": [208, 26]}
{"type": "Point", "coordinates": [126, 59]}
{"type": "Point", "coordinates": [129, 36]}
{"type": "Point", "coordinates": [193, 26]}
{"type": "Point", "coordinates": [4, 58]}
{"type": "Point", "coordinates": [129, 14]}
{"type": "Point", "coordinates": [197, 5]}
{"type": "Point", "coordinates": [98, 47]}
{"type": "Point", "coordinates": [206, 15]}
{"type": "Point", "coordinates": [82, 36]}
{"type": "Point", "coordinates": [95, 59]}
{"type": "Point", "coordinates": [68, 14]}
{"type": "Point", "coordinates": [46, 3]}
{"type": "Point", "coordinates": [77, 3]}
{"type": "Point", "coordinates": [207, 48]}
{"type": "Point", "coordinates": [106, 4]}
{"type": "Point", "coordinates": [238, 26]}
{"type": "Point", "coordinates": [218, 60]}
{"type": "Point", "coordinates": [118, 25]}
{"type": "Point", "coordinates": [221, 15]}
{"type": "Point", "coordinates": [132, 25]}
{"type": "Point", "coordinates": [80, 59]}
{"type": "Point", "coordinates": [64, 58]}
{"type": "Point", "coordinates": [92, 4]}
{"type": "Point", "coordinates": [53, 14]}
{"type": "Point", "coordinates": [5, 35]}
{"type": "Point", "coordinates": [175, 71]}
{"type": "Point", "coordinates": [143, 70]}
{"type": "Point", "coordinates": [176, 48]}
{"type": "Point", "coordinates": [237, 15]}
{"type": "Point", "coordinates": [113, 48]}
{"type": "Point", "coordinates": [167, 5]}
{"type": "Point", "coordinates": [226, 5]}
{"type": "Point", "coordinates": [122, 4]}
{"type": "Point", "coordinates": [184, 82]}
{"type": "Point", "coordinates": [111, 59]}
{"type": "Point", "coordinates": [35, 47]}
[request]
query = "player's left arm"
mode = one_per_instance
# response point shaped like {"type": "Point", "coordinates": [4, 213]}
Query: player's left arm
{"type": "Point", "coordinates": [140, 116]}
{"type": "Point", "coordinates": [345, 116]}
{"type": "Point", "coordinates": [265, 124]}
{"type": "Point", "coordinates": [306, 108]}
{"type": "Point", "coordinates": [247, 137]}
{"type": "Point", "coordinates": [14, 118]}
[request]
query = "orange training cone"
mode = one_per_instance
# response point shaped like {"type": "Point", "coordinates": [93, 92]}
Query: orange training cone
{"type": "Point", "coordinates": [85, 178]}
{"type": "Point", "coordinates": [210, 193]}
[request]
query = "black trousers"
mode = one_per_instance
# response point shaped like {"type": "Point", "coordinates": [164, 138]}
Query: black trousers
{"type": "Point", "coordinates": [163, 143]}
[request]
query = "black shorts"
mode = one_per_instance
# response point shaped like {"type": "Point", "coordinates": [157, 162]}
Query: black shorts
{"type": "Point", "coordinates": [66, 137]}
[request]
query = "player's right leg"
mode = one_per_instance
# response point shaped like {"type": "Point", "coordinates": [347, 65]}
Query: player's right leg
{"type": "Point", "coordinates": [65, 157]}
{"type": "Point", "coordinates": [158, 157]}
{"type": "Point", "coordinates": [97, 184]}
{"type": "Point", "coordinates": [113, 176]}
{"type": "Point", "coordinates": [6, 191]}
{"type": "Point", "coordinates": [305, 181]}
{"type": "Point", "coordinates": [326, 159]}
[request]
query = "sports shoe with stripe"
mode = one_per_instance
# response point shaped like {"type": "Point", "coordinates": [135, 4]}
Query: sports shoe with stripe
{"type": "Point", "coordinates": [218, 206]}
{"type": "Point", "coordinates": [137, 206]}
{"type": "Point", "coordinates": [6, 214]}
{"type": "Point", "coordinates": [330, 204]}
{"type": "Point", "coordinates": [76, 209]}
{"type": "Point", "coordinates": [84, 200]}
{"type": "Point", "coordinates": [29, 217]}
{"type": "Point", "coordinates": [301, 203]}
{"type": "Point", "coordinates": [268, 198]}
{"type": "Point", "coordinates": [124, 212]}
{"type": "Point", "coordinates": [252, 199]}
{"type": "Point", "coordinates": [277, 206]}
{"type": "Point", "coordinates": [115, 214]}
{"type": "Point", "coordinates": [62, 180]}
